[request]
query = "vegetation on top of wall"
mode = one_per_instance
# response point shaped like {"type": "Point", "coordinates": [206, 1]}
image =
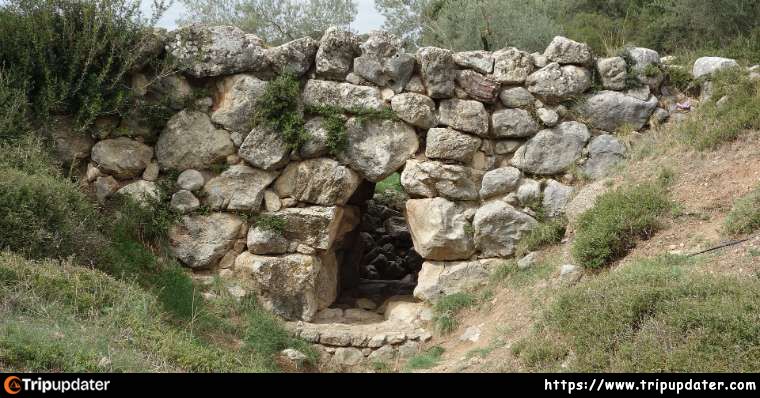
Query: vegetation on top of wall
{"type": "Point", "coordinates": [73, 57]}
{"type": "Point", "coordinates": [270, 222]}
{"type": "Point", "coordinates": [611, 227]}
{"type": "Point", "coordinates": [653, 315]}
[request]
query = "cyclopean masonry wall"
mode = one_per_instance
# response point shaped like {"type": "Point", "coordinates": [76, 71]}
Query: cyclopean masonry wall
{"type": "Point", "coordinates": [481, 139]}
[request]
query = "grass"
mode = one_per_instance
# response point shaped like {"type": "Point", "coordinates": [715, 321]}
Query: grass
{"type": "Point", "coordinates": [744, 217]}
{"type": "Point", "coordinates": [608, 230]}
{"type": "Point", "coordinates": [425, 360]}
{"type": "Point", "coordinates": [447, 308]}
{"type": "Point", "coordinates": [390, 183]}
{"type": "Point", "coordinates": [508, 274]}
{"type": "Point", "coordinates": [271, 222]}
{"type": "Point", "coordinates": [712, 125]}
{"type": "Point", "coordinates": [546, 233]}
{"type": "Point", "coordinates": [651, 316]}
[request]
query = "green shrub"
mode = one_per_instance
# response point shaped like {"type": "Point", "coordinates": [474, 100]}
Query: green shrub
{"type": "Point", "coordinates": [651, 316]}
{"type": "Point", "coordinates": [680, 78]}
{"type": "Point", "coordinates": [426, 359]}
{"type": "Point", "coordinates": [610, 228]}
{"type": "Point", "coordinates": [447, 308]}
{"type": "Point", "coordinates": [711, 125]}
{"type": "Point", "coordinates": [744, 217]}
{"type": "Point", "coordinates": [266, 335]}
{"type": "Point", "coordinates": [72, 56]}
{"type": "Point", "coordinates": [12, 107]}
{"type": "Point", "coordinates": [271, 222]}
{"type": "Point", "coordinates": [546, 233]}
{"type": "Point", "coordinates": [278, 109]}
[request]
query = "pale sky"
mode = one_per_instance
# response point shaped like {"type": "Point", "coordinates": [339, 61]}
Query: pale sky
{"type": "Point", "coordinates": [367, 18]}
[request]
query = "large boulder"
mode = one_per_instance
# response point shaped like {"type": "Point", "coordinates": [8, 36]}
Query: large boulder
{"type": "Point", "coordinates": [449, 144]}
{"type": "Point", "coordinates": [316, 145]}
{"type": "Point", "coordinates": [438, 279]}
{"type": "Point", "coordinates": [320, 181]}
{"type": "Point", "coordinates": [238, 188]}
{"type": "Point", "coordinates": [706, 66]}
{"type": "Point", "coordinates": [516, 97]}
{"type": "Point", "coordinates": [190, 141]}
{"type": "Point", "coordinates": [552, 151]}
{"type": "Point", "coordinates": [642, 58]}
{"type": "Point", "coordinates": [314, 226]}
{"type": "Point", "coordinates": [439, 228]}
{"type": "Point", "coordinates": [499, 182]}
{"type": "Point", "coordinates": [479, 61]}
{"type": "Point", "coordinates": [477, 86]}
{"type": "Point", "coordinates": [336, 53]}
{"type": "Point", "coordinates": [295, 57]}
{"type": "Point", "coordinates": [610, 110]}
{"type": "Point", "coordinates": [377, 148]}
{"type": "Point", "coordinates": [613, 72]}
{"type": "Point", "coordinates": [205, 51]}
{"type": "Point", "coordinates": [200, 241]}
{"type": "Point", "coordinates": [344, 96]}
{"type": "Point", "coordinates": [383, 61]}
{"type": "Point", "coordinates": [174, 89]}
{"type": "Point", "coordinates": [565, 51]}
{"type": "Point", "coordinates": [437, 70]}
{"type": "Point", "coordinates": [498, 227]}
{"type": "Point", "coordinates": [122, 157]}
{"type": "Point", "coordinates": [235, 101]}
{"type": "Point", "coordinates": [555, 83]}
{"type": "Point", "coordinates": [512, 66]}
{"type": "Point", "coordinates": [464, 115]}
{"type": "Point", "coordinates": [415, 109]}
{"type": "Point", "coordinates": [513, 123]}
{"type": "Point", "coordinates": [288, 285]}
{"type": "Point", "coordinates": [265, 148]}
{"type": "Point", "coordinates": [430, 179]}
{"type": "Point", "coordinates": [605, 151]}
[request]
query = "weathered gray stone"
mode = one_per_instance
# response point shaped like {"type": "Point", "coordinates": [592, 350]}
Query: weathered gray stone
{"type": "Point", "coordinates": [479, 61]}
{"type": "Point", "coordinates": [477, 86]}
{"type": "Point", "coordinates": [190, 141]}
{"type": "Point", "coordinates": [450, 144]}
{"type": "Point", "coordinates": [565, 51]}
{"type": "Point", "coordinates": [266, 241]}
{"type": "Point", "coordinates": [384, 354]}
{"type": "Point", "coordinates": [336, 53]}
{"type": "Point", "coordinates": [69, 145]}
{"type": "Point", "coordinates": [191, 180]}
{"type": "Point", "coordinates": [295, 57]}
{"type": "Point", "coordinates": [316, 145]}
{"type": "Point", "coordinates": [204, 51]}
{"type": "Point", "coordinates": [347, 356]}
{"type": "Point", "coordinates": [315, 226]}
{"type": "Point", "coordinates": [498, 227]}
{"type": "Point", "coordinates": [513, 123]}
{"type": "Point", "coordinates": [344, 96]}
{"type": "Point", "coordinates": [552, 151]}
{"type": "Point", "coordinates": [200, 241]}
{"type": "Point", "coordinates": [141, 191]}
{"type": "Point", "coordinates": [706, 66]}
{"type": "Point", "coordinates": [463, 115]}
{"type": "Point", "coordinates": [512, 66]}
{"type": "Point", "coordinates": [439, 229]}
{"type": "Point", "coordinates": [556, 197]}
{"type": "Point", "coordinates": [548, 117]}
{"type": "Point", "coordinates": [529, 191]}
{"type": "Point", "coordinates": [555, 83]}
{"type": "Point", "coordinates": [516, 97]}
{"type": "Point", "coordinates": [504, 147]}
{"type": "Point", "coordinates": [500, 181]}
{"type": "Point", "coordinates": [415, 109]}
{"type": "Point", "coordinates": [184, 201]}
{"type": "Point", "coordinates": [174, 89]}
{"type": "Point", "coordinates": [377, 148]}
{"type": "Point", "coordinates": [122, 157]}
{"type": "Point", "coordinates": [235, 103]}
{"type": "Point", "coordinates": [438, 279]}
{"type": "Point", "coordinates": [319, 181]}
{"type": "Point", "coordinates": [613, 72]}
{"type": "Point", "coordinates": [437, 70]}
{"type": "Point", "coordinates": [286, 285]}
{"type": "Point", "coordinates": [105, 187]}
{"type": "Point", "coordinates": [265, 149]}
{"type": "Point", "coordinates": [431, 179]}
{"type": "Point", "coordinates": [610, 110]}
{"type": "Point", "coordinates": [238, 188]}
{"type": "Point", "coordinates": [383, 61]}
{"type": "Point", "coordinates": [605, 151]}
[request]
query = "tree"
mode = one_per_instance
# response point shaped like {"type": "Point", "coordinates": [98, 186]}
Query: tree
{"type": "Point", "coordinates": [470, 24]}
{"type": "Point", "coordinates": [275, 21]}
